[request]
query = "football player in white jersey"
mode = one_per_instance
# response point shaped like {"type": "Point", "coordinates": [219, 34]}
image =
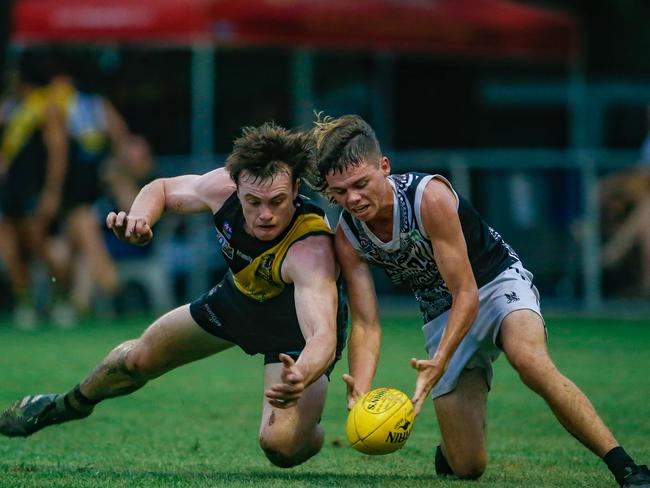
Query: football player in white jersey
{"type": "Point", "coordinates": [476, 298]}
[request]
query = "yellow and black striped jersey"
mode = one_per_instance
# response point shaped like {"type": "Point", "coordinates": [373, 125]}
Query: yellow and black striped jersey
{"type": "Point", "coordinates": [256, 265]}
{"type": "Point", "coordinates": [22, 123]}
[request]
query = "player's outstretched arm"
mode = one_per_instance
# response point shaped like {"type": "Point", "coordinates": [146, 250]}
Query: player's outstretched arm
{"type": "Point", "coordinates": [287, 393]}
{"type": "Point", "coordinates": [181, 194]}
{"type": "Point", "coordinates": [442, 224]}
{"type": "Point", "coordinates": [365, 333]}
{"type": "Point", "coordinates": [311, 266]}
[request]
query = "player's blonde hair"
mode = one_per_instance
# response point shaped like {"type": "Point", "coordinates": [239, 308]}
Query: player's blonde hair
{"type": "Point", "coordinates": [339, 143]}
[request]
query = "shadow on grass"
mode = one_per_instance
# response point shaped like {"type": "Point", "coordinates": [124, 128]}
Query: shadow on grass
{"type": "Point", "coordinates": [88, 474]}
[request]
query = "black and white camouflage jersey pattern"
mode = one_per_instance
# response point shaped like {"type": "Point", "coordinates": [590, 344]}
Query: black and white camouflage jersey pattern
{"type": "Point", "coordinates": [408, 257]}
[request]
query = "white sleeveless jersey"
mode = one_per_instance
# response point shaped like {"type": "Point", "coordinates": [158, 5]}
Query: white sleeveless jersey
{"type": "Point", "coordinates": [408, 257]}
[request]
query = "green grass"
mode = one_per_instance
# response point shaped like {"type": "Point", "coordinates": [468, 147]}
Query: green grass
{"type": "Point", "coordinates": [197, 426]}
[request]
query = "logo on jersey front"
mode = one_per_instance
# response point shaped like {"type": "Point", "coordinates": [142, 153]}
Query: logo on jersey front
{"type": "Point", "coordinates": [265, 267]}
{"type": "Point", "coordinates": [243, 256]}
{"type": "Point", "coordinates": [227, 229]}
{"type": "Point", "coordinates": [226, 248]}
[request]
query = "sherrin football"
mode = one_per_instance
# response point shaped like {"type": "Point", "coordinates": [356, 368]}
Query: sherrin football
{"type": "Point", "coordinates": [380, 422]}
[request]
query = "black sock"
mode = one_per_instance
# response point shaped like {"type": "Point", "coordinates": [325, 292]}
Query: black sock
{"type": "Point", "coordinates": [84, 402]}
{"type": "Point", "coordinates": [442, 466]}
{"type": "Point", "coordinates": [617, 461]}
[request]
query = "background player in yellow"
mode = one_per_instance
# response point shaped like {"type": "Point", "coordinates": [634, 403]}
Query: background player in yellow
{"type": "Point", "coordinates": [279, 297]}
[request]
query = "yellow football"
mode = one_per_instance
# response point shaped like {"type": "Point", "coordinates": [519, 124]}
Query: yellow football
{"type": "Point", "coordinates": [380, 422]}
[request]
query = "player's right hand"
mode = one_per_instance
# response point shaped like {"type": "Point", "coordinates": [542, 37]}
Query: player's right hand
{"type": "Point", "coordinates": [134, 229]}
{"type": "Point", "coordinates": [353, 393]}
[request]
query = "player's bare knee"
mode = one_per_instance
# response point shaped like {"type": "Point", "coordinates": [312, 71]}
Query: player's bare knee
{"type": "Point", "coordinates": [282, 460]}
{"type": "Point", "coordinates": [284, 452]}
{"type": "Point", "coordinates": [468, 463]}
{"type": "Point", "coordinates": [470, 469]}
{"type": "Point", "coordinates": [535, 370]}
{"type": "Point", "coordinates": [136, 361]}
{"type": "Point", "coordinates": [283, 456]}
{"type": "Point", "coordinates": [470, 474]}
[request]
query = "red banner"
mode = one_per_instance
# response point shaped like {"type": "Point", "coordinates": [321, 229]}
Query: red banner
{"type": "Point", "coordinates": [478, 27]}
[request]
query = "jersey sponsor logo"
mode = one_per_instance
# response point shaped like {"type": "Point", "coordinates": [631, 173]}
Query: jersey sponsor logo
{"type": "Point", "coordinates": [243, 256]}
{"type": "Point", "coordinates": [226, 248]}
{"type": "Point", "coordinates": [512, 297]}
{"type": "Point", "coordinates": [497, 237]}
{"type": "Point", "coordinates": [227, 229]}
{"type": "Point", "coordinates": [211, 315]}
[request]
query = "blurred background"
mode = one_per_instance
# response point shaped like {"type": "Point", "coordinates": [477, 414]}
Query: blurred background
{"type": "Point", "coordinates": [537, 111]}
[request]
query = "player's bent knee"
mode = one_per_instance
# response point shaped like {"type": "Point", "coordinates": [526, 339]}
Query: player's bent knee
{"type": "Point", "coordinates": [470, 471]}
{"type": "Point", "coordinates": [287, 454]}
{"type": "Point", "coordinates": [282, 460]}
{"type": "Point", "coordinates": [139, 363]}
{"type": "Point", "coordinates": [535, 370]}
{"type": "Point", "coordinates": [288, 458]}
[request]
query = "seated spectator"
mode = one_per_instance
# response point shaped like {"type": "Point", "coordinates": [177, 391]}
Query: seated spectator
{"type": "Point", "coordinates": [625, 218]}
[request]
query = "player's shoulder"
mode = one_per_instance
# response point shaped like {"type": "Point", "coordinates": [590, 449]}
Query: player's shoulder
{"type": "Point", "coordinates": [215, 187]}
{"type": "Point", "coordinates": [305, 205]}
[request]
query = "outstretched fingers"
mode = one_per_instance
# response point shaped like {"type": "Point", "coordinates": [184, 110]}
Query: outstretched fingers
{"type": "Point", "coordinates": [132, 229]}
{"type": "Point", "coordinates": [353, 392]}
{"type": "Point", "coordinates": [423, 384]}
{"type": "Point", "coordinates": [287, 393]}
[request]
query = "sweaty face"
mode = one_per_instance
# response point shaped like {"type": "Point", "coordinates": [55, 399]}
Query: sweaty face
{"type": "Point", "coordinates": [362, 189]}
{"type": "Point", "coordinates": [267, 204]}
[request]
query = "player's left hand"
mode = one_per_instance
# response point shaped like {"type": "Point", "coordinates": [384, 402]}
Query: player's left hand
{"type": "Point", "coordinates": [429, 372]}
{"type": "Point", "coordinates": [287, 393]}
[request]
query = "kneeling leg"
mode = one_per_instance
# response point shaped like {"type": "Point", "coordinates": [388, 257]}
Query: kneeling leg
{"type": "Point", "coordinates": [461, 418]}
{"type": "Point", "coordinates": [290, 436]}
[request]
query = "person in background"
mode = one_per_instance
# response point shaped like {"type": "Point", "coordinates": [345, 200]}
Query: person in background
{"type": "Point", "coordinates": [33, 162]}
{"type": "Point", "coordinates": [625, 225]}
{"type": "Point", "coordinates": [95, 132]}
{"type": "Point", "coordinates": [122, 176]}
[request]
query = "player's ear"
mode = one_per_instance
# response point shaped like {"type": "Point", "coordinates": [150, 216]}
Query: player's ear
{"type": "Point", "coordinates": [296, 187]}
{"type": "Point", "coordinates": [384, 165]}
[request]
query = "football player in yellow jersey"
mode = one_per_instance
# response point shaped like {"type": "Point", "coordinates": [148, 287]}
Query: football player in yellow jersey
{"type": "Point", "coordinates": [279, 297]}
{"type": "Point", "coordinates": [33, 160]}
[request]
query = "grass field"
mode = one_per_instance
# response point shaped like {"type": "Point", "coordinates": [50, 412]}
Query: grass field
{"type": "Point", "coordinates": [197, 426]}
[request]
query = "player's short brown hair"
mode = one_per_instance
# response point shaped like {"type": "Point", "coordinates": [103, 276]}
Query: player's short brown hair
{"type": "Point", "coordinates": [269, 149]}
{"type": "Point", "coordinates": [341, 142]}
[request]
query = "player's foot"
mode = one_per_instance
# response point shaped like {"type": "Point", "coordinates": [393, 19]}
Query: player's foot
{"type": "Point", "coordinates": [637, 477]}
{"type": "Point", "coordinates": [34, 412]}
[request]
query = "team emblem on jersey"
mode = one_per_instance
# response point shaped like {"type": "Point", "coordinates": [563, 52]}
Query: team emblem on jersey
{"type": "Point", "coordinates": [414, 235]}
{"type": "Point", "coordinates": [264, 268]}
{"type": "Point", "coordinates": [512, 297]}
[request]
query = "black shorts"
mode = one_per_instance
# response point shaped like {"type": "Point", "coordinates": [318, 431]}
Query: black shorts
{"type": "Point", "coordinates": [268, 328]}
{"type": "Point", "coordinates": [21, 189]}
{"type": "Point", "coordinates": [82, 185]}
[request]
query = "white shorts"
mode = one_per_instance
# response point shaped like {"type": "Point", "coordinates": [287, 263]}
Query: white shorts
{"type": "Point", "coordinates": [511, 290]}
